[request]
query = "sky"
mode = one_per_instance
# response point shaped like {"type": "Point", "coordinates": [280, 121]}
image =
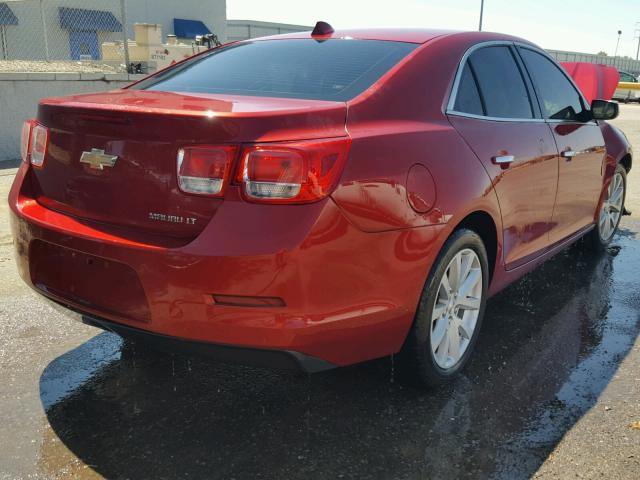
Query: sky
{"type": "Point", "coordinates": [586, 26]}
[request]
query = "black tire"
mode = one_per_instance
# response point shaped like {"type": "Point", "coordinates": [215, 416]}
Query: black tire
{"type": "Point", "coordinates": [594, 239]}
{"type": "Point", "coordinates": [418, 364]}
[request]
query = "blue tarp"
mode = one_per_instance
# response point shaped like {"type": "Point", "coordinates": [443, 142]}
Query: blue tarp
{"type": "Point", "coordinates": [89, 20]}
{"type": "Point", "coordinates": [189, 28]}
{"type": "Point", "coordinates": [7, 17]}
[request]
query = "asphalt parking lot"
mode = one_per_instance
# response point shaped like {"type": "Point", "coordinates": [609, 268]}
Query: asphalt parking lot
{"type": "Point", "coordinates": [552, 392]}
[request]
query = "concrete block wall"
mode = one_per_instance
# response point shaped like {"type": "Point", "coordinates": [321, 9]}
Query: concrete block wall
{"type": "Point", "coordinates": [21, 92]}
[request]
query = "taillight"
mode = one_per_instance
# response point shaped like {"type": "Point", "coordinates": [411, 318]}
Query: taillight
{"type": "Point", "coordinates": [25, 139]}
{"type": "Point", "coordinates": [38, 145]}
{"type": "Point", "coordinates": [204, 170]}
{"type": "Point", "coordinates": [292, 172]}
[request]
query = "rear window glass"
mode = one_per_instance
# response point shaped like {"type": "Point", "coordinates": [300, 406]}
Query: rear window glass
{"type": "Point", "coordinates": [308, 69]}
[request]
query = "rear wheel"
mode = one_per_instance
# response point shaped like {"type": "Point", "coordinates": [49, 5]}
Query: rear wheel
{"type": "Point", "coordinates": [611, 210]}
{"type": "Point", "coordinates": [450, 311]}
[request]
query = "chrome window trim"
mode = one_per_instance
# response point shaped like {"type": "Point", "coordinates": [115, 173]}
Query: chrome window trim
{"type": "Point", "coordinates": [577, 122]}
{"type": "Point", "coordinates": [455, 113]}
{"type": "Point", "coordinates": [450, 110]}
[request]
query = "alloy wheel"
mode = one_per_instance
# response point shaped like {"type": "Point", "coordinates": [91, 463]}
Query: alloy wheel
{"type": "Point", "coordinates": [611, 207]}
{"type": "Point", "coordinates": [456, 310]}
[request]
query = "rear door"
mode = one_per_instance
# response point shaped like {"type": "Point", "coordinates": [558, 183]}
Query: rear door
{"type": "Point", "coordinates": [492, 106]}
{"type": "Point", "coordinates": [579, 141]}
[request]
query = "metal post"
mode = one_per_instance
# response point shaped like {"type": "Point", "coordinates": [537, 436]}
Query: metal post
{"type": "Point", "coordinates": [3, 40]}
{"type": "Point", "coordinates": [638, 37]}
{"type": "Point", "coordinates": [125, 40]}
{"type": "Point", "coordinates": [44, 32]}
{"type": "Point", "coordinates": [481, 12]}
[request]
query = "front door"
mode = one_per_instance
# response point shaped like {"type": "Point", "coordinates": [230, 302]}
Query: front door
{"type": "Point", "coordinates": [579, 141]}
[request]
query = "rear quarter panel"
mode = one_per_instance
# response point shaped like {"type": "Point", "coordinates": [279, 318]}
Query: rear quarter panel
{"type": "Point", "coordinates": [399, 123]}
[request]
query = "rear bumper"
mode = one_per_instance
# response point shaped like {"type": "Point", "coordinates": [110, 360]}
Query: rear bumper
{"type": "Point", "coordinates": [349, 296]}
{"type": "Point", "coordinates": [279, 359]}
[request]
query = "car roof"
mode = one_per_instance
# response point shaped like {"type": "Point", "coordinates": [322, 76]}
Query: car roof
{"type": "Point", "coordinates": [408, 35]}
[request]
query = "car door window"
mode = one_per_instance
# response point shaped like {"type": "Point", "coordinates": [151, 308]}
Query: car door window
{"type": "Point", "coordinates": [500, 83]}
{"type": "Point", "coordinates": [468, 98]}
{"type": "Point", "coordinates": [625, 77]}
{"type": "Point", "coordinates": [559, 99]}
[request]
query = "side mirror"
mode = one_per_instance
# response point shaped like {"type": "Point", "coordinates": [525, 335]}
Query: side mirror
{"type": "Point", "coordinates": [603, 110]}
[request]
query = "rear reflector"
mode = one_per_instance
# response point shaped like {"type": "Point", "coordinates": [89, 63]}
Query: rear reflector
{"type": "Point", "coordinates": [204, 170]}
{"type": "Point", "coordinates": [293, 172]}
{"type": "Point", "coordinates": [242, 301]}
{"type": "Point", "coordinates": [38, 145]}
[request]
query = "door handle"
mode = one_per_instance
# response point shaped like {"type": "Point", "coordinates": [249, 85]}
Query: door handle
{"type": "Point", "coordinates": [569, 154]}
{"type": "Point", "coordinates": [503, 160]}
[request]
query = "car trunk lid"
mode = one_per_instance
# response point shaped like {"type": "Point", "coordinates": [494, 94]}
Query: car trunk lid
{"type": "Point", "coordinates": [141, 133]}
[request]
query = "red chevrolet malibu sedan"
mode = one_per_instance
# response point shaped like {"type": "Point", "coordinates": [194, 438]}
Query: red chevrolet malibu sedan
{"type": "Point", "coordinates": [316, 199]}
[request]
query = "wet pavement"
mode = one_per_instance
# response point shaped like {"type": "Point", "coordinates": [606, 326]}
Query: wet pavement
{"type": "Point", "coordinates": [551, 391]}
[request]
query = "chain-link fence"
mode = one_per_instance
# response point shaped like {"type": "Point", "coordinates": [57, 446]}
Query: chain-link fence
{"type": "Point", "coordinates": [63, 35]}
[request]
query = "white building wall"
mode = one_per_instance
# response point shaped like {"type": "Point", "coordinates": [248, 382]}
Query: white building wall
{"type": "Point", "coordinates": [244, 29]}
{"type": "Point", "coordinates": [26, 41]}
{"type": "Point", "coordinates": [213, 13]}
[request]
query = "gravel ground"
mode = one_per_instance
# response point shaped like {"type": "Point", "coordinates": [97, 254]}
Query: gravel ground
{"type": "Point", "coordinates": [55, 66]}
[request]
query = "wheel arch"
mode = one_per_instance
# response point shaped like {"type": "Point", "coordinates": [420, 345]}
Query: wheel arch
{"type": "Point", "coordinates": [484, 225]}
{"type": "Point", "coordinates": [626, 161]}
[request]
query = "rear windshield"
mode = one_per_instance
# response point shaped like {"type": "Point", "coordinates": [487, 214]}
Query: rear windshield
{"type": "Point", "coordinates": [309, 69]}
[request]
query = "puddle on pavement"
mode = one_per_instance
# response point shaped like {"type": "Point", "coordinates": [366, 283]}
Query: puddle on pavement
{"type": "Point", "coordinates": [550, 344]}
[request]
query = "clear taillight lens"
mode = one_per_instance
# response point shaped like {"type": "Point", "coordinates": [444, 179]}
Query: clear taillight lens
{"type": "Point", "coordinates": [38, 145]}
{"type": "Point", "coordinates": [272, 173]}
{"type": "Point", "coordinates": [292, 172]}
{"type": "Point", "coordinates": [204, 170]}
{"type": "Point", "coordinates": [25, 139]}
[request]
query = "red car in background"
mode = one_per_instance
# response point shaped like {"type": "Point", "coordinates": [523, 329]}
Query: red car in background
{"type": "Point", "coordinates": [316, 199]}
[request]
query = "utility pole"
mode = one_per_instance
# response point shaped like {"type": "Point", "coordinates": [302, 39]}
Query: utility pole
{"type": "Point", "coordinates": [637, 32]}
{"type": "Point", "coordinates": [615, 54]}
{"type": "Point", "coordinates": [481, 11]}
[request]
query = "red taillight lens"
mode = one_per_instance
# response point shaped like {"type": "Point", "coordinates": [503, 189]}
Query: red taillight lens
{"type": "Point", "coordinates": [38, 148]}
{"type": "Point", "coordinates": [294, 172]}
{"type": "Point", "coordinates": [25, 139]}
{"type": "Point", "coordinates": [204, 170]}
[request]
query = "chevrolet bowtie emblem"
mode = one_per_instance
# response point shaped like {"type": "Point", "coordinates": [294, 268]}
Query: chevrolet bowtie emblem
{"type": "Point", "coordinates": [97, 159]}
